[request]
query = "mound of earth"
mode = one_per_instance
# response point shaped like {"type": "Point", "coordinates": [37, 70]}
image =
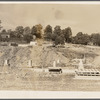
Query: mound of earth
{"type": "Point", "coordinates": [44, 56]}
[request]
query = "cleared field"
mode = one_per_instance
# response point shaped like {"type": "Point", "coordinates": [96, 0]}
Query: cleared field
{"type": "Point", "coordinates": [32, 80]}
{"type": "Point", "coordinates": [20, 77]}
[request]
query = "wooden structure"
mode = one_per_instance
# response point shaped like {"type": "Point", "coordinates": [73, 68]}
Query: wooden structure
{"type": "Point", "coordinates": [81, 72]}
{"type": "Point", "coordinates": [55, 69]}
{"type": "Point", "coordinates": [87, 72]}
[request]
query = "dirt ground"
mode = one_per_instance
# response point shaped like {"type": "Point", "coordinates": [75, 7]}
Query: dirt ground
{"type": "Point", "coordinates": [18, 76]}
{"type": "Point", "coordinates": [22, 79]}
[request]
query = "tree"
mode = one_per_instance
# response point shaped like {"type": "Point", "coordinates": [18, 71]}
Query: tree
{"type": "Point", "coordinates": [98, 40]}
{"type": "Point", "coordinates": [48, 32]}
{"type": "Point", "coordinates": [85, 39]}
{"type": "Point", "coordinates": [4, 31]}
{"type": "Point", "coordinates": [53, 37]}
{"type": "Point", "coordinates": [27, 34]}
{"type": "Point", "coordinates": [19, 31]}
{"type": "Point", "coordinates": [28, 37]}
{"type": "Point", "coordinates": [78, 38]}
{"type": "Point", "coordinates": [59, 40]}
{"type": "Point", "coordinates": [67, 34]}
{"type": "Point", "coordinates": [81, 38]}
{"type": "Point", "coordinates": [57, 30]}
{"type": "Point", "coordinates": [27, 30]}
{"type": "Point", "coordinates": [12, 33]}
{"type": "Point", "coordinates": [58, 36]}
{"type": "Point", "coordinates": [0, 25]}
{"type": "Point", "coordinates": [95, 38]}
{"type": "Point", "coordinates": [34, 30]}
{"type": "Point", "coordinates": [37, 31]}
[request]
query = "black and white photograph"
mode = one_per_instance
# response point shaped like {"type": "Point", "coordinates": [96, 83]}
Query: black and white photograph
{"type": "Point", "coordinates": [50, 47]}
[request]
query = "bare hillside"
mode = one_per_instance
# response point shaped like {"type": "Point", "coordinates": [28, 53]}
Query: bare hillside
{"type": "Point", "coordinates": [44, 56]}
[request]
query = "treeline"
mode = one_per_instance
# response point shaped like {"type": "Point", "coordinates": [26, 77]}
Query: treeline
{"type": "Point", "coordinates": [24, 33]}
{"type": "Point", "coordinates": [60, 36]}
{"type": "Point", "coordinates": [85, 39]}
{"type": "Point", "coordinates": [56, 35]}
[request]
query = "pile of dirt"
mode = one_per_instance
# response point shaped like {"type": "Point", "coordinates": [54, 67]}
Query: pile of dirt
{"type": "Point", "coordinates": [43, 56]}
{"type": "Point", "coordinates": [50, 55]}
{"type": "Point", "coordinates": [15, 55]}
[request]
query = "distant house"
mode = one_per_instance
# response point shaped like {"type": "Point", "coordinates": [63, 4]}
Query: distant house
{"type": "Point", "coordinates": [5, 36]}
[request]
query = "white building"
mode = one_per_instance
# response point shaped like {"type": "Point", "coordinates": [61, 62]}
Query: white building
{"type": "Point", "coordinates": [33, 43]}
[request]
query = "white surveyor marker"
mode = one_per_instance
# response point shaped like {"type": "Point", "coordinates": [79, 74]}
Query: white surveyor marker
{"type": "Point", "coordinates": [5, 68]}
{"type": "Point", "coordinates": [6, 63]}
{"type": "Point", "coordinates": [81, 67]}
{"type": "Point", "coordinates": [30, 63]}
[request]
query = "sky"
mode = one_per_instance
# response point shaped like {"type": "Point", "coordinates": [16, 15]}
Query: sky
{"type": "Point", "coordinates": [80, 17]}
